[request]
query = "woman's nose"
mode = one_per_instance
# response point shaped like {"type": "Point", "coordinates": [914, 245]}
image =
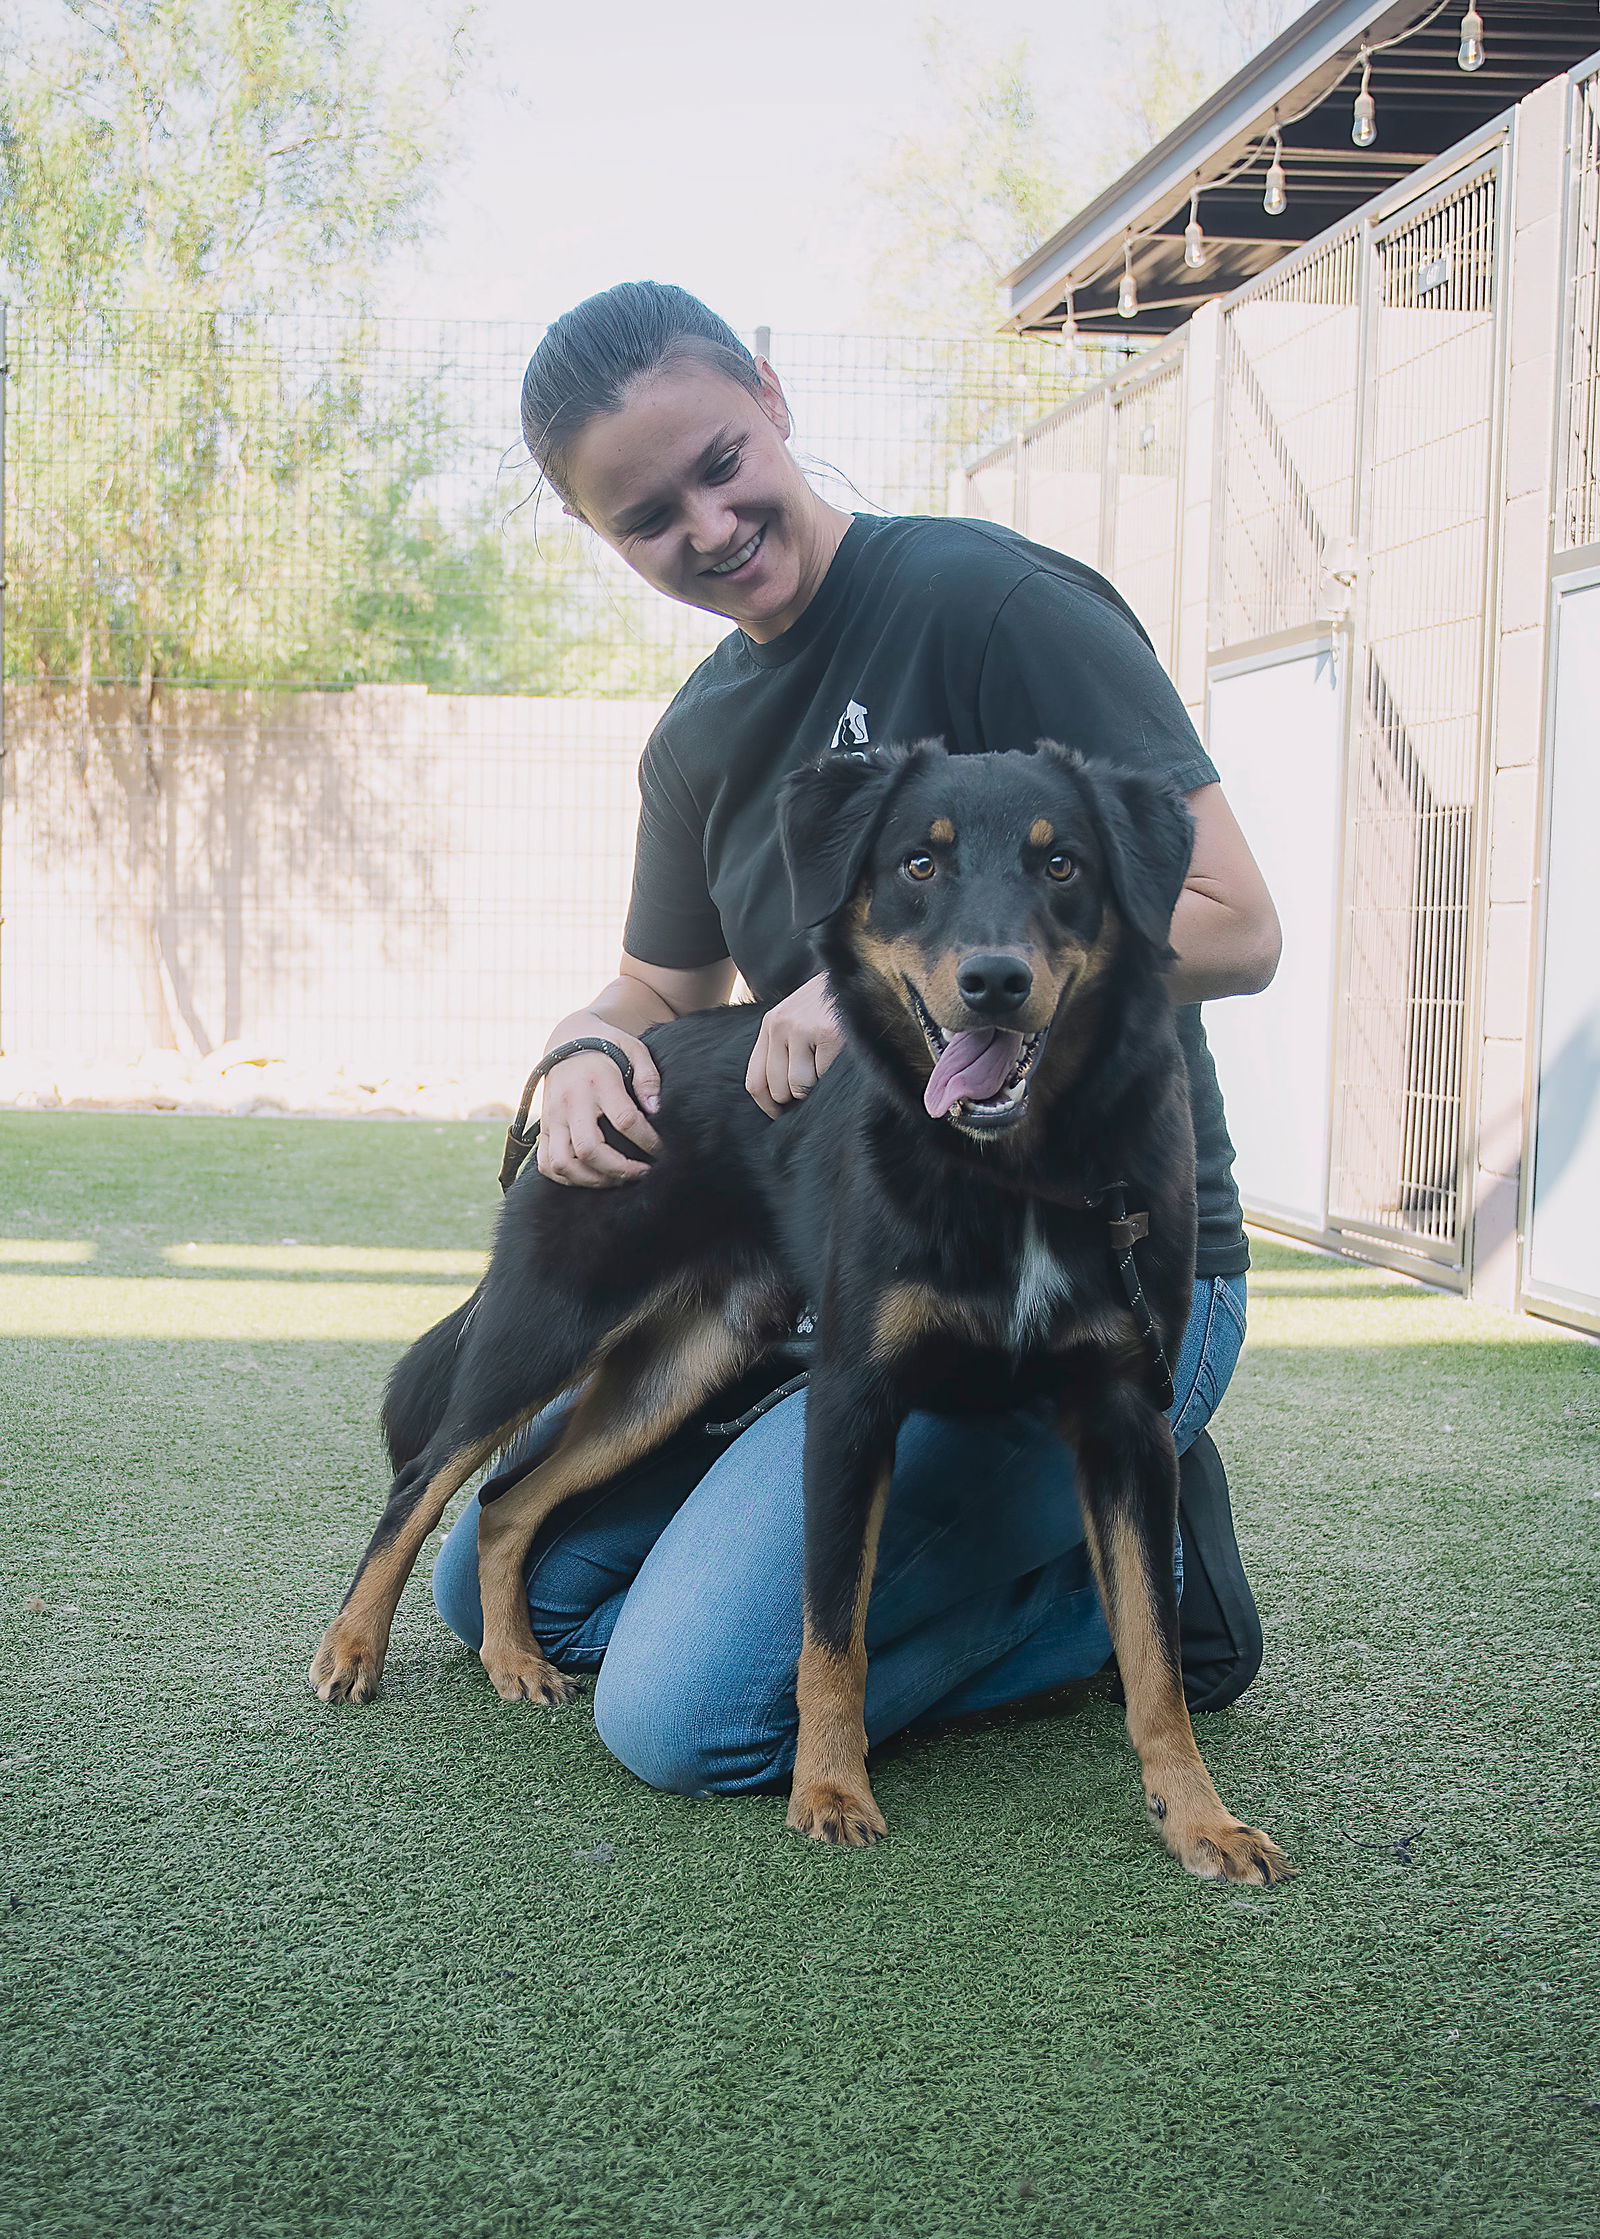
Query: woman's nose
{"type": "Point", "coordinates": [713, 526]}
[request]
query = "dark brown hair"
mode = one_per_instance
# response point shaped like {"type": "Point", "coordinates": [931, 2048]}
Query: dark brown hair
{"type": "Point", "coordinates": [592, 355]}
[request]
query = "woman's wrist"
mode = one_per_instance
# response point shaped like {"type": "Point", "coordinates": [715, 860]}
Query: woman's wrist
{"type": "Point", "coordinates": [632, 1010]}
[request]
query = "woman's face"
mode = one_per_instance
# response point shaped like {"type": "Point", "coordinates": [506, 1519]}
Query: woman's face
{"type": "Point", "coordinates": [692, 482]}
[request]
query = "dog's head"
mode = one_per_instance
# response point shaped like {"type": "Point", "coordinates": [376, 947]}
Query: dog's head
{"type": "Point", "coordinates": [964, 904]}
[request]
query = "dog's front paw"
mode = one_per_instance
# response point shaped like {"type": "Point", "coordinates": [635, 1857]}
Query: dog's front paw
{"type": "Point", "coordinates": [829, 1812]}
{"type": "Point", "coordinates": [523, 1676]}
{"type": "Point", "coordinates": [1223, 1849]}
{"type": "Point", "coordinates": [347, 1666]}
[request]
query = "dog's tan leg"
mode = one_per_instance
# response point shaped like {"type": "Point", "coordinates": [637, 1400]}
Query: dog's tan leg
{"type": "Point", "coordinates": [648, 1384]}
{"type": "Point", "coordinates": [1124, 1450]}
{"type": "Point", "coordinates": [830, 1797]}
{"type": "Point", "coordinates": [349, 1659]}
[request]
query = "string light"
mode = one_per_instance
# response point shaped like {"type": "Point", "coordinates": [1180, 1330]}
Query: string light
{"type": "Point", "coordinates": [1276, 198]}
{"type": "Point", "coordinates": [1364, 117]}
{"type": "Point", "coordinates": [1128, 293]}
{"type": "Point", "coordinates": [1195, 252]}
{"type": "Point", "coordinates": [1069, 326]}
{"type": "Point", "coordinates": [1470, 56]}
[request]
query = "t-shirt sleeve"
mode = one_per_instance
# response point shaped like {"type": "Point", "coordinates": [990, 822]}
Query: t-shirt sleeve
{"type": "Point", "coordinates": [672, 919]}
{"type": "Point", "coordinates": [1066, 662]}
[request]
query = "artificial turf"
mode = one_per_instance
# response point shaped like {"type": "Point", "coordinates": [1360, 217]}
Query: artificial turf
{"type": "Point", "coordinates": [440, 1965]}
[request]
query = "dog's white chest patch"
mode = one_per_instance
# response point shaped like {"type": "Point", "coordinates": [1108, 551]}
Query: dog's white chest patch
{"type": "Point", "coordinates": [1042, 1284]}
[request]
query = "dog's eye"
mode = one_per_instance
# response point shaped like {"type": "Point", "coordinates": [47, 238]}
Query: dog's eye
{"type": "Point", "coordinates": [1061, 867]}
{"type": "Point", "coordinates": [920, 866]}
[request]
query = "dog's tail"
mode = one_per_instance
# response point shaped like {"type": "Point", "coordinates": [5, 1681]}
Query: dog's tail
{"type": "Point", "coordinates": [418, 1390]}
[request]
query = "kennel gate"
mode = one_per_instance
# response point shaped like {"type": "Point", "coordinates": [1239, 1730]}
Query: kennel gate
{"type": "Point", "coordinates": [1357, 426]}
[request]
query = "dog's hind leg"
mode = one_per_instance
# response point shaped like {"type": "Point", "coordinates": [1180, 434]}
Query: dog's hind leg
{"type": "Point", "coordinates": [349, 1659]}
{"type": "Point", "coordinates": [506, 1371]}
{"type": "Point", "coordinates": [665, 1362]}
{"type": "Point", "coordinates": [1128, 1488]}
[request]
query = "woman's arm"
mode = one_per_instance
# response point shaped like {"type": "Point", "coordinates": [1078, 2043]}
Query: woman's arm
{"type": "Point", "coordinates": [582, 1088]}
{"type": "Point", "coordinates": [1225, 928]}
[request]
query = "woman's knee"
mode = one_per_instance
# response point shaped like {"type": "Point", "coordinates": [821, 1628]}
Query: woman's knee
{"type": "Point", "coordinates": [455, 1578]}
{"type": "Point", "coordinates": [691, 1730]}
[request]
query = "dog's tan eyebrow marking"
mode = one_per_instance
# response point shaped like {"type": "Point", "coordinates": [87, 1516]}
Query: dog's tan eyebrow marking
{"type": "Point", "coordinates": [942, 832]}
{"type": "Point", "coordinates": [1041, 832]}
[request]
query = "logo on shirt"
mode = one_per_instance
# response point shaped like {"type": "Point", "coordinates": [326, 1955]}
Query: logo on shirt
{"type": "Point", "coordinates": [852, 731]}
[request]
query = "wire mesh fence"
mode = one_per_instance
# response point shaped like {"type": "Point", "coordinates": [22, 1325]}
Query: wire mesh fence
{"type": "Point", "coordinates": [320, 717]}
{"type": "Point", "coordinates": [1098, 479]}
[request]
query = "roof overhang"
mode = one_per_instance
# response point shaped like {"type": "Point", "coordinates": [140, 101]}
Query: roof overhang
{"type": "Point", "coordinates": [1306, 80]}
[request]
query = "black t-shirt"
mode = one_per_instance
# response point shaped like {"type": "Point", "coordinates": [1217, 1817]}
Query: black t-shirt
{"type": "Point", "coordinates": [921, 628]}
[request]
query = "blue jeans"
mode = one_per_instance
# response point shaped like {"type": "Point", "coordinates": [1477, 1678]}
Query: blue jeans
{"type": "Point", "coordinates": [679, 1580]}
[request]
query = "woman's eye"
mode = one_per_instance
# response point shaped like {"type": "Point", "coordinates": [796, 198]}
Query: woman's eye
{"type": "Point", "coordinates": [1060, 867]}
{"type": "Point", "coordinates": [727, 466]}
{"type": "Point", "coordinates": [920, 866]}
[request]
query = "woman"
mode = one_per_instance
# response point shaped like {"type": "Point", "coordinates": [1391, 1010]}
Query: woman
{"type": "Point", "coordinates": [680, 1581]}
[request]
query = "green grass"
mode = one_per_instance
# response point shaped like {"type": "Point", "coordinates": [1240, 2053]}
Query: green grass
{"type": "Point", "coordinates": [275, 1969]}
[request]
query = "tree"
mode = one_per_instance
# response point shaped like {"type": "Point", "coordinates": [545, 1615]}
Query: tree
{"type": "Point", "coordinates": [1168, 60]}
{"type": "Point", "coordinates": [222, 154]}
{"type": "Point", "coordinates": [960, 201]}
{"type": "Point", "coordinates": [204, 488]}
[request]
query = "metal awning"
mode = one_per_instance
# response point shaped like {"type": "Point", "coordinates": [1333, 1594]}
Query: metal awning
{"type": "Point", "coordinates": [1306, 81]}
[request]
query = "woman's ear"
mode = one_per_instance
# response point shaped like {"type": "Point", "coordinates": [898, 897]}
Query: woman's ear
{"type": "Point", "coordinates": [772, 400]}
{"type": "Point", "coordinates": [827, 816]}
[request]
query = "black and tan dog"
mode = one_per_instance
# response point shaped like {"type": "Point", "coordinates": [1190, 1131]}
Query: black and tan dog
{"type": "Point", "coordinates": [995, 928]}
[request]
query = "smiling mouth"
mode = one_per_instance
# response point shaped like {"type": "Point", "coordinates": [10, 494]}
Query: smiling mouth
{"type": "Point", "coordinates": [742, 557]}
{"type": "Point", "coordinates": [1006, 1098]}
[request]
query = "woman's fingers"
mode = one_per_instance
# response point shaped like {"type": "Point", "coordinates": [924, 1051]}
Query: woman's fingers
{"type": "Point", "coordinates": [783, 1068]}
{"type": "Point", "coordinates": [804, 1068]}
{"type": "Point", "coordinates": [756, 1077]}
{"type": "Point", "coordinates": [557, 1159]}
{"type": "Point", "coordinates": [625, 1115]}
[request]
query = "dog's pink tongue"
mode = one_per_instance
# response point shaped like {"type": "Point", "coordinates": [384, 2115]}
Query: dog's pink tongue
{"type": "Point", "coordinates": [971, 1065]}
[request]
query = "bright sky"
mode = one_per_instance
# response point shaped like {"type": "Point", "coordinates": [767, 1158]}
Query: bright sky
{"type": "Point", "coordinates": [711, 142]}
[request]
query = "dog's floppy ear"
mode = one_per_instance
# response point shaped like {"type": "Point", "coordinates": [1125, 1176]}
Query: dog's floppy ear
{"type": "Point", "coordinates": [1147, 835]}
{"type": "Point", "coordinates": [827, 815]}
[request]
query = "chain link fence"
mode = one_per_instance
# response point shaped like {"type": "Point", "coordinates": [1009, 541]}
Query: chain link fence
{"type": "Point", "coordinates": [320, 718]}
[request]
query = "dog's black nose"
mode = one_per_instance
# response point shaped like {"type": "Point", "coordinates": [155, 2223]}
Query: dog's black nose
{"type": "Point", "coordinates": [994, 985]}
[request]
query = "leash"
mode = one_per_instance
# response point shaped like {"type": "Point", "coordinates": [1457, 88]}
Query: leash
{"type": "Point", "coordinates": [522, 1135]}
{"type": "Point", "coordinates": [1123, 1231]}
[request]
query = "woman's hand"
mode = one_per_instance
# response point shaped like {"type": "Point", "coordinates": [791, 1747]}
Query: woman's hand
{"type": "Point", "coordinates": [580, 1091]}
{"type": "Point", "coordinates": [799, 1039]}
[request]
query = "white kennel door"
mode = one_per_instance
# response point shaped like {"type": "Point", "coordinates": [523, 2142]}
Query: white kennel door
{"type": "Point", "coordinates": [1274, 733]}
{"type": "Point", "coordinates": [1563, 1252]}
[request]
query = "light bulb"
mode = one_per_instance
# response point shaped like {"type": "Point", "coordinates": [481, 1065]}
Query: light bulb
{"type": "Point", "coordinates": [1470, 52]}
{"type": "Point", "coordinates": [1276, 199]}
{"type": "Point", "coordinates": [1195, 252]}
{"type": "Point", "coordinates": [1069, 323]}
{"type": "Point", "coordinates": [1127, 294]}
{"type": "Point", "coordinates": [1364, 117]}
